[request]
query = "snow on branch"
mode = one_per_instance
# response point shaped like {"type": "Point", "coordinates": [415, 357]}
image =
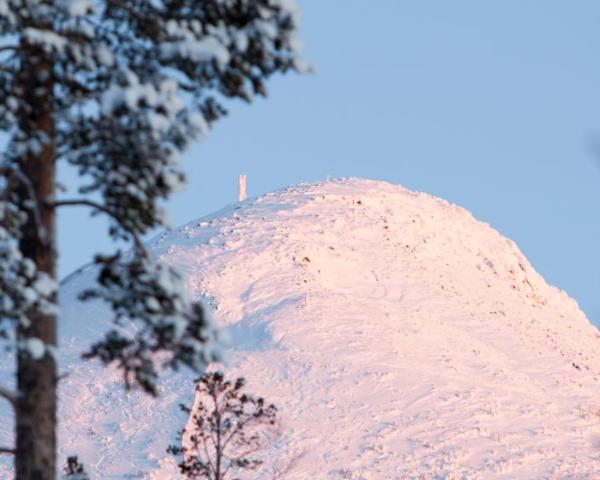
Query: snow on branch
{"type": "Point", "coordinates": [22, 286]}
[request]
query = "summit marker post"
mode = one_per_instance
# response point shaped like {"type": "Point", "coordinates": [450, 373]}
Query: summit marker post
{"type": "Point", "coordinates": [242, 188]}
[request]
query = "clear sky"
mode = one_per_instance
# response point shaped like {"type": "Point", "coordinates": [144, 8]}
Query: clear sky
{"type": "Point", "coordinates": [492, 105]}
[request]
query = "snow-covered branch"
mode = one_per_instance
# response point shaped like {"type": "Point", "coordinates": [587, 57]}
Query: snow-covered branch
{"type": "Point", "coordinates": [152, 297]}
{"type": "Point", "coordinates": [131, 11]}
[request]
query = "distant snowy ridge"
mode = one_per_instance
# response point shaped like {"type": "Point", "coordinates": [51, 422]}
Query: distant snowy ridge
{"type": "Point", "coordinates": [398, 336]}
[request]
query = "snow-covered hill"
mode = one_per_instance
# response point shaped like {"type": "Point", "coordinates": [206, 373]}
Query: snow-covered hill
{"type": "Point", "coordinates": [399, 337]}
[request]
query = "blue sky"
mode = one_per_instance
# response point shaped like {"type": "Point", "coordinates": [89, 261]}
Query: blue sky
{"type": "Point", "coordinates": [492, 105]}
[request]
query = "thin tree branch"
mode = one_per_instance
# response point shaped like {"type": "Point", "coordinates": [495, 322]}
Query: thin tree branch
{"type": "Point", "coordinates": [5, 48]}
{"type": "Point", "coordinates": [9, 396]}
{"type": "Point", "coordinates": [83, 202]}
{"type": "Point", "coordinates": [208, 457]}
{"type": "Point", "coordinates": [241, 456]}
{"type": "Point", "coordinates": [212, 440]}
{"type": "Point", "coordinates": [76, 86]}
{"type": "Point", "coordinates": [7, 451]}
{"type": "Point", "coordinates": [248, 451]}
{"type": "Point", "coordinates": [233, 433]}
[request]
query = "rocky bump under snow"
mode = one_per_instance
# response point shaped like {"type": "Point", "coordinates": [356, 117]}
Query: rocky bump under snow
{"type": "Point", "coordinates": [398, 336]}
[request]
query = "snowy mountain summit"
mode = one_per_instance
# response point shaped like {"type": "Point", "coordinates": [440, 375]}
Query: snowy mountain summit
{"type": "Point", "coordinates": [398, 336]}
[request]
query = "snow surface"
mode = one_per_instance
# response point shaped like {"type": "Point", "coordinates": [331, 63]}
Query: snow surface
{"type": "Point", "coordinates": [398, 336]}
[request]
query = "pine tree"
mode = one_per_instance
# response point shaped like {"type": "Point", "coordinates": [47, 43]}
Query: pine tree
{"type": "Point", "coordinates": [228, 428]}
{"type": "Point", "coordinates": [117, 89]}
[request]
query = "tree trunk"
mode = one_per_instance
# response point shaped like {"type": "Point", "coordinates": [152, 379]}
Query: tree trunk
{"type": "Point", "coordinates": [36, 377]}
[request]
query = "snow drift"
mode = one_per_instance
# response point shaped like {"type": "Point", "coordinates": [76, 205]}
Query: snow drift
{"type": "Point", "coordinates": [399, 337]}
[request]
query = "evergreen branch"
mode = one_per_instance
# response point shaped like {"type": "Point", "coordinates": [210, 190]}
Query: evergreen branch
{"type": "Point", "coordinates": [76, 86]}
{"type": "Point", "coordinates": [131, 11]}
{"type": "Point", "coordinates": [146, 24]}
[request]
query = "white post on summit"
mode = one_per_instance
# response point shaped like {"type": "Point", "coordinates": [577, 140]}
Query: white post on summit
{"type": "Point", "coordinates": [242, 188]}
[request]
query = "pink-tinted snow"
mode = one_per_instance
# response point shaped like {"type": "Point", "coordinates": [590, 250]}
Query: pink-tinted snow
{"type": "Point", "coordinates": [398, 336]}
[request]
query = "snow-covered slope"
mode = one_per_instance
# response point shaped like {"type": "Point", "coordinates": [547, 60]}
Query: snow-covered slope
{"type": "Point", "coordinates": [399, 337]}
